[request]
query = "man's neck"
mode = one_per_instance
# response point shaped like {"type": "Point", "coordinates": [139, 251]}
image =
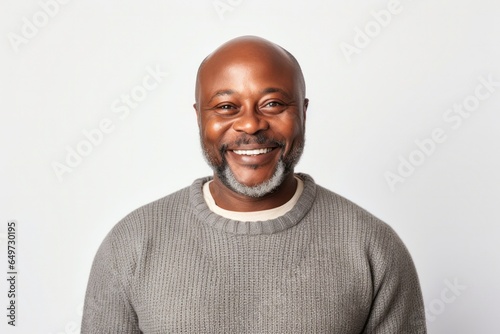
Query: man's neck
{"type": "Point", "coordinates": [227, 199]}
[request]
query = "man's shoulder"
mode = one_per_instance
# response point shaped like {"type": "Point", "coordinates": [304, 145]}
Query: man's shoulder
{"type": "Point", "coordinates": [335, 202]}
{"type": "Point", "coordinates": [162, 206]}
{"type": "Point", "coordinates": [357, 228]}
{"type": "Point", "coordinates": [349, 215]}
{"type": "Point", "coordinates": [149, 216]}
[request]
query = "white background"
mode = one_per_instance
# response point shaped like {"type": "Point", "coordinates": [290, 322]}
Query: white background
{"type": "Point", "coordinates": [365, 114]}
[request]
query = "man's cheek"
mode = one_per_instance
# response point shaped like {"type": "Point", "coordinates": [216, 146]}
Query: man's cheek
{"type": "Point", "coordinates": [217, 125]}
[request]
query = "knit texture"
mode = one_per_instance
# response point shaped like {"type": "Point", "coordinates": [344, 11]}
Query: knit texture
{"type": "Point", "coordinates": [326, 266]}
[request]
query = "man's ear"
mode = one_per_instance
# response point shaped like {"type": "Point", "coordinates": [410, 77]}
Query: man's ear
{"type": "Point", "coordinates": [306, 104]}
{"type": "Point", "coordinates": [195, 106]}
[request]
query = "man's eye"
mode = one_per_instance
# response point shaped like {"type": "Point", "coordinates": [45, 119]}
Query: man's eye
{"type": "Point", "coordinates": [273, 104]}
{"type": "Point", "coordinates": [226, 109]}
{"type": "Point", "coordinates": [273, 107]}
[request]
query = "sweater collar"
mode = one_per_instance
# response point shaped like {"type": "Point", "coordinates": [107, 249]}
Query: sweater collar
{"type": "Point", "coordinates": [291, 218]}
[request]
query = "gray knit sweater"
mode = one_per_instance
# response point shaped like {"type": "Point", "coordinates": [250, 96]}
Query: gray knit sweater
{"type": "Point", "coordinates": [326, 266]}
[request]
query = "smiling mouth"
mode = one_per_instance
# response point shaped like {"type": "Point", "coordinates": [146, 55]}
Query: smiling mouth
{"type": "Point", "coordinates": [254, 151]}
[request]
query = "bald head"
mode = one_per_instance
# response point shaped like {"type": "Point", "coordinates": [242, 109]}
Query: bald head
{"type": "Point", "coordinates": [249, 49]}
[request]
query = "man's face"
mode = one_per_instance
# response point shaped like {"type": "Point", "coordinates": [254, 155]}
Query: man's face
{"type": "Point", "coordinates": [251, 115]}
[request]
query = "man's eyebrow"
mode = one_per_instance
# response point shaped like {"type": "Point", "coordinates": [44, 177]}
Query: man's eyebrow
{"type": "Point", "coordinates": [268, 90]}
{"type": "Point", "coordinates": [276, 90]}
{"type": "Point", "coordinates": [221, 93]}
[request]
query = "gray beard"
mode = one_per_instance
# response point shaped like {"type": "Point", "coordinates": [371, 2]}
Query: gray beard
{"type": "Point", "coordinates": [258, 190]}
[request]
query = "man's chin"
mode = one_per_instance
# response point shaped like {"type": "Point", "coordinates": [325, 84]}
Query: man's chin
{"type": "Point", "coordinates": [259, 190]}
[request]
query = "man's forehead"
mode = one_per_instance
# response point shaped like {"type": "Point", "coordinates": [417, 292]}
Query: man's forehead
{"type": "Point", "coordinates": [247, 78]}
{"type": "Point", "coordinates": [249, 53]}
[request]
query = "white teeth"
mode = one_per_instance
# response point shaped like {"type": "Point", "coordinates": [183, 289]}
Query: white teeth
{"type": "Point", "coordinates": [253, 152]}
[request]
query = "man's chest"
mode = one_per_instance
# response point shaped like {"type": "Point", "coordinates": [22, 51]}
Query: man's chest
{"type": "Point", "coordinates": [252, 291]}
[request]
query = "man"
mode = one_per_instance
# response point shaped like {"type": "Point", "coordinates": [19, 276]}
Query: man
{"type": "Point", "coordinates": [256, 248]}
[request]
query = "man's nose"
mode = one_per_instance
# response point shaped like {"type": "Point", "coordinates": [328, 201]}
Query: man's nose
{"type": "Point", "coordinates": [250, 121]}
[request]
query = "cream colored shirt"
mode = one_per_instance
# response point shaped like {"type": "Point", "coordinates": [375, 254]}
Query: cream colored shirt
{"type": "Point", "coordinates": [252, 215]}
